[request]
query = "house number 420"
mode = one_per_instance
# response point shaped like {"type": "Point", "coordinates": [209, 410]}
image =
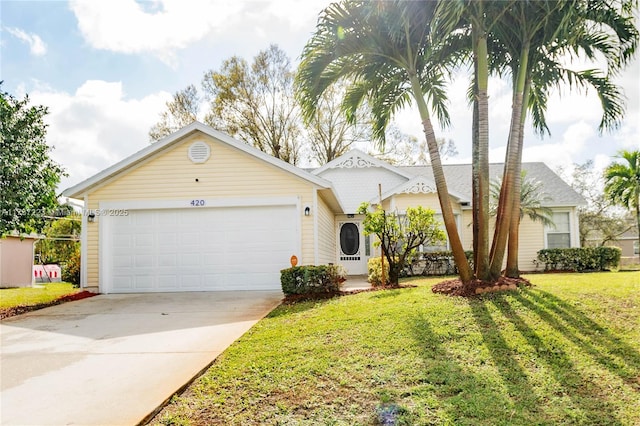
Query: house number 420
{"type": "Point", "coordinates": [197, 203]}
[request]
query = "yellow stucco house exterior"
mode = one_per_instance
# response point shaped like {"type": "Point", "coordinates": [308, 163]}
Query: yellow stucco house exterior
{"type": "Point", "coordinates": [201, 211]}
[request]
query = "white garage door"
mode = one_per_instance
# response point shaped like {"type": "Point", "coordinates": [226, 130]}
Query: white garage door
{"type": "Point", "coordinates": [202, 249]}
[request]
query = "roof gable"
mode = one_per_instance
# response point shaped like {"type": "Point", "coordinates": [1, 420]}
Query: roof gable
{"type": "Point", "coordinates": [420, 184]}
{"type": "Point", "coordinates": [356, 159]}
{"type": "Point", "coordinates": [174, 139]}
{"type": "Point", "coordinates": [358, 177]}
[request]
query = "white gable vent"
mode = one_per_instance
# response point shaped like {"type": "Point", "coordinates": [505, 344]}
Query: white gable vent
{"type": "Point", "coordinates": [199, 152]}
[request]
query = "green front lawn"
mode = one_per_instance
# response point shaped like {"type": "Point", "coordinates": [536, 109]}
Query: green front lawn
{"type": "Point", "coordinates": [566, 351]}
{"type": "Point", "coordinates": [28, 296]}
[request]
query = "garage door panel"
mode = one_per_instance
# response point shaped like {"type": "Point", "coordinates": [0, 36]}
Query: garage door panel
{"type": "Point", "coordinates": [191, 282]}
{"type": "Point", "coordinates": [144, 282]}
{"type": "Point", "coordinates": [167, 282]}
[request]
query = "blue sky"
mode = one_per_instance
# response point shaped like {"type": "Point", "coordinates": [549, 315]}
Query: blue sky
{"type": "Point", "coordinates": [106, 69]}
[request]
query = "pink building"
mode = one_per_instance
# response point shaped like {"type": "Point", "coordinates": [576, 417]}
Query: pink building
{"type": "Point", "coordinates": [16, 260]}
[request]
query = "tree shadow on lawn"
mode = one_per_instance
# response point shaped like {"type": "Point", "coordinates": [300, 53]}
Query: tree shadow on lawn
{"type": "Point", "coordinates": [466, 394]}
{"type": "Point", "coordinates": [599, 343]}
{"type": "Point", "coordinates": [585, 399]}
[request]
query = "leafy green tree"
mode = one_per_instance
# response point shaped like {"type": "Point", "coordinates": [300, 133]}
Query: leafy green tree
{"type": "Point", "coordinates": [62, 238]}
{"type": "Point", "coordinates": [400, 235]}
{"type": "Point", "coordinates": [28, 176]}
{"type": "Point", "coordinates": [622, 182]}
{"type": "Point", "coordinates": [255, 102]}
{"type": "Point", "coordinates": [71, 268]}
{"type": "Point", "coordinates": [388, 50]}
{"type": "Point", "coordinates": [181, 111]}
{"type": "Point", "coordinates": [599, 220]}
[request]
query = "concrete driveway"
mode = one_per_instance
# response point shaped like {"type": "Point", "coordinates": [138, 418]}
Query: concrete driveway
{"type": "Point", "coordinates": [113, 359]}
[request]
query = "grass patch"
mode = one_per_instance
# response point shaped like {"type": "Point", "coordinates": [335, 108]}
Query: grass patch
{"type": "Point", "coordinates": [28, 296]}
{"type": "Point", "coordinates": [566, 351]}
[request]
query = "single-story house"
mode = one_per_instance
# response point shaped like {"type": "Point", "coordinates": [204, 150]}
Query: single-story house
{"type": "Point", "coordinates": [200, 211]}
{"type": "Point", "coordinates": [627, 242]}
{"type": "Point", "coordinates": [16, 260]}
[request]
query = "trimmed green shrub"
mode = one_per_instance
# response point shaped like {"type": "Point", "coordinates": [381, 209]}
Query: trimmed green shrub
{"type": "Point", "coordinates": [580, 259]}
{"type": "Point", "coordinates": [311, 279]}
{"type": "Point", "coordinates": [374, 268]}
{"type": "Point", "coordinates": [71, 268]}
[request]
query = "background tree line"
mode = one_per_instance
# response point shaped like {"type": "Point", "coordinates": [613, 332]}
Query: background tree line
{"type": "Point", "coordinates": [256, 103]}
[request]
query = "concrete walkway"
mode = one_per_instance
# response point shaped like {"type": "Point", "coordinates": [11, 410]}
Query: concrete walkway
{"type": "Point", "coordinates": [113, 359]}
{"type": "Point", "coordinates": [356, 282]}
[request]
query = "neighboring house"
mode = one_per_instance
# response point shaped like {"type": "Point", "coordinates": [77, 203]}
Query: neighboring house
{"type": "Point", "coordinates": [201, 211]}
{"type": "Point", "coordinates": [16, 260]}
{"type": "Point", "coordinates": [627, 242]}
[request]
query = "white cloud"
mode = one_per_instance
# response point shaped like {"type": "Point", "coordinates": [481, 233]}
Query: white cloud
{"type": "Point", "coordinates": [125, 26]}
{"type": "Point", "coordinates": [564, 152]}
{"type": "Point", "coordinates": [96, 126]}
{"type": "Point", "coordinates": [162, 27]}
{"type": "Point", "coordinates": [300, 14]}
{"type": "Point", "coordinates": [36, 46]}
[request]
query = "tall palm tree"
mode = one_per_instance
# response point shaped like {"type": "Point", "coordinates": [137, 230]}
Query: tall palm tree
{"type": "Point", "coordinates": [535, 37]}
{"type": "Point", "coordinates": [622, 183]}
{"type": "Point", "coordinates": [472, 21]}
{"type": "Point", "coordinates": [389, 50]}
{"type": "Point", "coordinates": [532, 199]}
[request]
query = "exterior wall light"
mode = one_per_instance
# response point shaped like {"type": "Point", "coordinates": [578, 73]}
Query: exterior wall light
{"type": "Point", "coordinates": [307, 211]}
{"type": "Point", "coordinates": [91, 217]}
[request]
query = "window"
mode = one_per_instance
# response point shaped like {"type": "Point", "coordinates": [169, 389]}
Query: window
{"type": "Point", "coordinates": [636, 247]}
{"type": "Point", "coordinates": [445, 245]}
{"type": "Point", "coordinates": [367, 245]}
{"type": "Point", "coordinates": [559, 236]}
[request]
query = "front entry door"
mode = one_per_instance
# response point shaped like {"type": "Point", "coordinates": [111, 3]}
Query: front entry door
{"type": "Point", "coordinates": [351, 247]}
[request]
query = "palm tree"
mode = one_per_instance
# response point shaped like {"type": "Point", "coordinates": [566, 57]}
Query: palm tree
{"type": "Point", "coordinates": [535, 36]}
{"type": "Point", "coordinates": [622, 183]}
{"type": "Point", "coordinates": [532, 199]}
{"type": "Point", "coordinates": [471, 22]}
{"type": "Point", "coordinates": [388, 49]}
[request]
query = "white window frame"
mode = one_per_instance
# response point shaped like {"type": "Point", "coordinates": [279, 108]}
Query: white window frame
{"type": "Point", "coordinates": [551, 230]}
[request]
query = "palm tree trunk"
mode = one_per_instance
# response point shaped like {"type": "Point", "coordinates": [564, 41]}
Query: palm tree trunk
{"type": "Point", "coordinates": [513, 269]}
{"type": "Point", "coordinates": [466, 275]}
{"type": "Point", "coordinates": [480, 164]}
{"type": "Point", "coordinates": [511, 172]}
{"type": "Point", "coordinates": [638, 216]}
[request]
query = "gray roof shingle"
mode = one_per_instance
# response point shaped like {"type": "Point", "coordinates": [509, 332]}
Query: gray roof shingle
{"type": "Point", "coordinates": [358, 181]}
{"type": "Point", "coordinates": [459, 180]}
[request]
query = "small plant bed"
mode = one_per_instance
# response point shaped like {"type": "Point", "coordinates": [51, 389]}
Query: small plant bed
{"type": "Point", "coordinates": [16, 301]}
{"type": "Point", "coordinates": [455, 288]}
{"type": "Point", "coordinates": [293, 298]}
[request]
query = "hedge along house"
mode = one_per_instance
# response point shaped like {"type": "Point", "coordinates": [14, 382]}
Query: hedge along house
{"type": "Point", "coordinates": [201, 211]}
